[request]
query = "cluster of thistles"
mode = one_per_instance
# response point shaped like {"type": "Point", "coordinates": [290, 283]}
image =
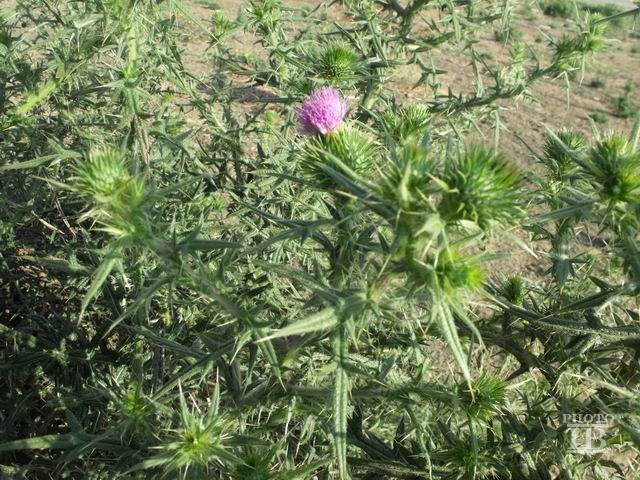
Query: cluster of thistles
{"type": "Point", "coordinates": [322, 112]}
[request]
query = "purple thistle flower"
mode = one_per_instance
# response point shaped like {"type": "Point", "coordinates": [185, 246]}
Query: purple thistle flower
{"type": "Point", "coordinates": [322, 112]}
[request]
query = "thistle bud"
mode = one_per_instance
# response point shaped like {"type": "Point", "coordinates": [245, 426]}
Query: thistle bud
{"type": "Point", "coordinates": [485, 399]}
{"type": "Point", "coordinates": [220, 26]}
{"type": "Point", "coordinates": [406, 181]}
{"type": "Point", "coordinates": [408, 122]}
{"type": "Point", "coordinates": [264, 15]}
{"type": "Point", "coordinates": [615, 168]}
{"type": "Point", "coordinates": [347, 151]}
{"type": "Point", "coordinates": [117, 196]}
{"type": "Point", "coordinates": [513, 290]}
{"type": "Point", "coordinates": [480, 187]}
{"type": "Point", "coordinates": [556, 157]}
{"type": "Point", "coordinates": [337, 62]}
{"type": "Point", "coordinates": [136, 410]}
{"type": "Point", "coordinates": [571, 51]}
{"type": "Point", "coordinates": [102, 175]}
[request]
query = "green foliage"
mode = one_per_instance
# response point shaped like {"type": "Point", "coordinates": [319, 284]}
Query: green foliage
{"type": "Point", "coordinates": [508, 34]}
{"type": "Point", "coordinates": [454, 272]}
{"type": "Point", "coordinates": [623, 105]}
{"type": "Point", "coordinates": [599, 116]}
{"type": "Point", "coordinates": [570, 9]}
{"type": "Point", "coordinates": [559, 8]}
{"type": "Point", "coordinates": [191, 288]}
{"type": "Point", "coordinates": [570, 50]}
{"type": "Point", "coordinates": [605, 10]}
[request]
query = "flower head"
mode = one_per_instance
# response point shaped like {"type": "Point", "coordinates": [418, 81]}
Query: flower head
{"type": "Point", "coordinates": [322, 112]}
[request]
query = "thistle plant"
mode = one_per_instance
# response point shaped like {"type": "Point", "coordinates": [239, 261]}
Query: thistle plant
{"type": "Point", "coordinates": [258, 259]}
